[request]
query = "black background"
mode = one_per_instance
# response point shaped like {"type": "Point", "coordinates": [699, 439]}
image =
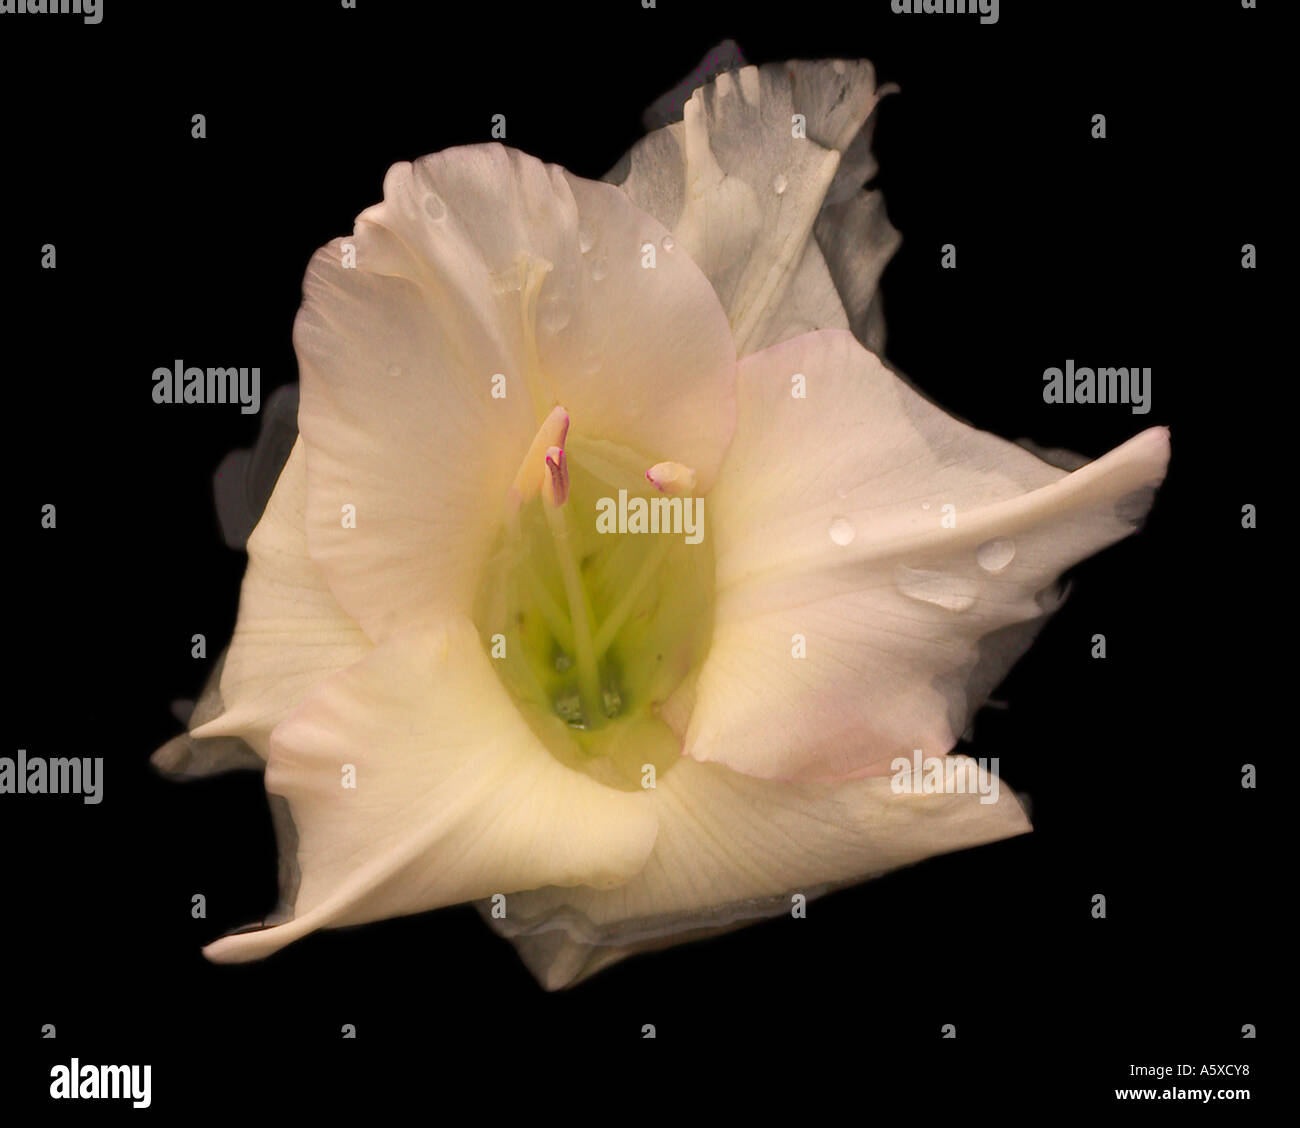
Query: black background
{"type": "Point", "coordinates": [1117, 252]}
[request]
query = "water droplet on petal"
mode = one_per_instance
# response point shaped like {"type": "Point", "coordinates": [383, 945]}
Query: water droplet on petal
{"type": "Point", "coordinates": [669, 243]}
{"type": "Point", "coordinates": [996, 554]}
{"type": "Point", "coordinates": [506, 281]}
{"type": "Point", "coordinates": [554, 313]}
{"type": "Point", "coordinates": [925, 505]}
{"type": "Point", "coordinates": [599, 268]}
{"type": "Point", "coordinates": [779, 184]}
{"type": "Point", "coordinates": [613, 701]}
{"type": "Point", "coordinates": [433, 206]}
{"type": "Point", "coordinates": [952, 593]}
{"type": "Point", "coordinates": [585, 241]}
{"type": "Point", "coordinates": [394, 370]}
{"type": "Point", "coordinates": [842, 532]}
{"type": "Point", "coordinates": [569, 707]}
{"type": "Point", "coordinates": [838, 66]}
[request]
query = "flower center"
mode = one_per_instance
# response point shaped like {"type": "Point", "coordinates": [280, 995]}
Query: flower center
{"type": "Point", "coordinates": [597, 602]}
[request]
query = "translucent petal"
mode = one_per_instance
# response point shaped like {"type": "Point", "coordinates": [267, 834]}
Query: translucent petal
{"type": "Point", "coordinates": [741, 184]}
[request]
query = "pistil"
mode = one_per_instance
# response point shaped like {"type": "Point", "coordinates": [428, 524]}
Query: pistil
{"type": "Point", "coordinates": [670, 478]}
{"type": "Point", "coordinates": [620, 612]}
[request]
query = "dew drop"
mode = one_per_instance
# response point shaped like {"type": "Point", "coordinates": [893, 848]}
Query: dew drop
{"type": "Point", "coordinates": [838, 66]}
{"type": "Point", "coordinates": [585, 241]}
{"type": "Point", "coordinates": [842, 532]}
{"type": "Point", "coordinates": [394, 370]}
{"type": "Point", "coordinates": [506, 281]}
{"type": "Point", "coordinates": [568, 706]}
{"type": "Point", "coordinates": [952, 593]}
{"type": "Point", "coordinates": [995, 555]}
{"type": "Point", "coordinates": [669, 243]}
{"type": "Point", "coordinates": [554, 313]}
{"type": "Point", "coordinates": [779, 184]}
{"type": "Point", "coordinates": [433, 206]}
{"type": "Point", "coordinates": [613, 701]}
{"type": "Point", "coordinates": [599, 268]}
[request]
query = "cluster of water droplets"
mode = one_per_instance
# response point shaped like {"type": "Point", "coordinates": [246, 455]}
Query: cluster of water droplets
{"type": "Point", "coordinates": [951, 592]}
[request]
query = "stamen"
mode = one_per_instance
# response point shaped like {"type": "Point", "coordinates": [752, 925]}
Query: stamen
{"type": "Point", "coordinates": [599, 628]}
{"type": "Point", "coordinates": [551, 434]}
{"type": "Point", "coordinates": [671, 478]}
{"type": "Point", "coordinates": [541, 388]}
{"type": "Point", "coordinates": [589, 692]}
{"type": "Point", "coordinates": [555, 484]}
{"type": "Point", "coordinates": [627, 602]}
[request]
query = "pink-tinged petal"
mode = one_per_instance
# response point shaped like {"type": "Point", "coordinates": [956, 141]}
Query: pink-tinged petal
{"type": "Point", "coordinates": [290, 633]}
{"type": "Point", "coordinates": [454, 797]}
{"type": "Point", "coordinates": [853, 624]}
{"type": "Point", "coordinates": [488, 288]}
{"type": "Point", "coordinates": [732, 849]}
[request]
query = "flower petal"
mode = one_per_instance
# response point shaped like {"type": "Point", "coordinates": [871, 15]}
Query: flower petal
{"type": "Point", "coordinates": [483, 262]}
{"type": "Point", "coordinates": [244, 480]}
{"type": "Point", "coordinates": [858, 241]}
{"type": "Point", "coordinates": [853, 624]}
{"type": "Point", "coordinates": [454, 796]}
{"type": "Point", "coordinates": [290, 633]}
{"type": "Point", "coordinates": [811, 302]}
{"type": "Point", "coordinates": [189, 756]}
{"type": "Point", "coordinates": [741, 190]}
{"type": "Point", "coordinates": [732, 849]}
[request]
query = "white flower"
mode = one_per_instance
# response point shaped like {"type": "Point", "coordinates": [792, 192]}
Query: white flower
{"type": "Point", "coordinates": [431, 613]}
